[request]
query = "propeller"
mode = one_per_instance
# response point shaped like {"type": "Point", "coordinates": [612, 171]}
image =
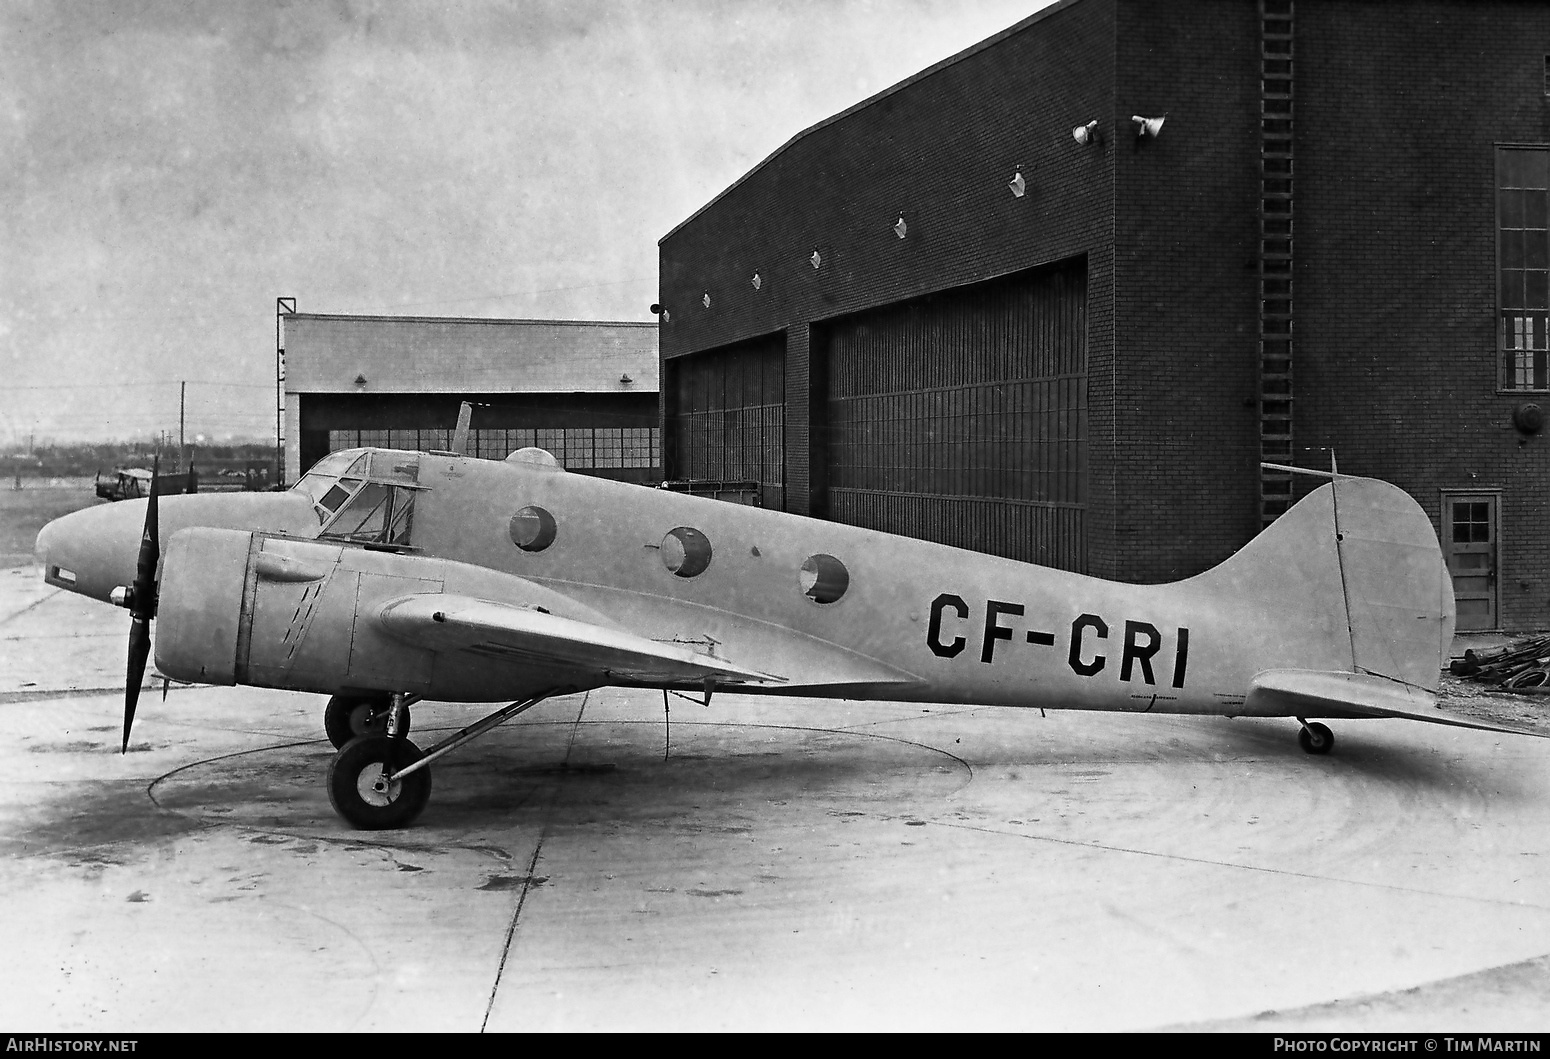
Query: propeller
{"type": "Point", "coordinates": [142, 603]}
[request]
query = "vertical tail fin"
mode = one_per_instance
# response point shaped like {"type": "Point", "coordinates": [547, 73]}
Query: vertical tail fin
{"type": "Point", "coordinates": [1357, 572]}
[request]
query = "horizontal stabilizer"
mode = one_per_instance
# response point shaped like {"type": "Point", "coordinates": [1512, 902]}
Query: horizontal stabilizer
{"type": "Point", "coordinates": [1311, 693]}
{"type": "Point", "coordinates": [532, 636]}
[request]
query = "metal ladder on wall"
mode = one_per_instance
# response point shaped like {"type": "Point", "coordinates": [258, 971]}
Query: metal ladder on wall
{"type": "Point", "coordinates": [1275, 257]}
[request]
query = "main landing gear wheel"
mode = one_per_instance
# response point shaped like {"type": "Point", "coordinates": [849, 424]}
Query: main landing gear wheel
{"type": "Point", "coordinates": [360, 792]}
{"type": "Point", "coordinates": [1313, 737]}
{"type": "Point", "coordinates": [347, 716]}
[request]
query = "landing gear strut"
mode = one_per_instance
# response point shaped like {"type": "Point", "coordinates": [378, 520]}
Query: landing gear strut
{"type": "Point", "coordinates": [348, 716]}
{"type": "Point", "coordinates": [1314, 737]}
{"type": "Point", "coordinates": [381, 781]}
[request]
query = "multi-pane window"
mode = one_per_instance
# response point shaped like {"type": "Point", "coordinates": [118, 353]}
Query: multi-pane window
{"type": "Point", "coordinates": [1471, 522]}
{"type": "Point", "coordinates": [1523, 266]}
{"type": "Point", "coordinates": [577, 448]}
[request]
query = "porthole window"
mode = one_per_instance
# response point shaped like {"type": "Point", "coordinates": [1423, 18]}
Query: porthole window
{"type": "Point", "coordinates": [532, 529]}
{"type": "Point", "coordinates": [824, 578]}
{"type": "Point", "coordinates": [686, 551]}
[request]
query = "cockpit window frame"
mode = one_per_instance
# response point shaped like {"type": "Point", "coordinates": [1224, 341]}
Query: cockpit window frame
{"type": "Point", "coordinates": [351, 472]}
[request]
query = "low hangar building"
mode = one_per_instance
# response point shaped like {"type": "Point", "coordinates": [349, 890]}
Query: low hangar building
{"type": "Point", "coordinates": [1059, 296]}
{"type": "Point", "coordinates": [584, 390]}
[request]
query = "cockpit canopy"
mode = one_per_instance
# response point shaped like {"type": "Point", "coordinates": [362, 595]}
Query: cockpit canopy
{"type": "Point", "coordinates": [364, 495]}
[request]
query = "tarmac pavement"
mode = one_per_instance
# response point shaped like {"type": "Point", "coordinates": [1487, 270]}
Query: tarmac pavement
{"type": "Point", "coordinates": [761, 864]}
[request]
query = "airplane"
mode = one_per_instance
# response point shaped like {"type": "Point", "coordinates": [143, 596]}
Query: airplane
{"type": "Point", "coordinates": [386, 578]}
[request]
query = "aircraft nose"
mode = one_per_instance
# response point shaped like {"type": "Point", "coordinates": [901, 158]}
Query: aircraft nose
{"type": "Point", "coordinates": [92, 551]}
{"type": "Point", "coordinates": [47, 540]}
{"type": "Point", "coordinates": [95, 550]}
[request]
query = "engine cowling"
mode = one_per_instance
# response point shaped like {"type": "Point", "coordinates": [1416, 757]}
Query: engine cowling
{"type": "Point", "coordinates": [308, 615]}
{"type": "Point", "coordinates": [247, 608]}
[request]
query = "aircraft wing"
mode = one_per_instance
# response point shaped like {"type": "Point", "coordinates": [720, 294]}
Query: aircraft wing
{"type": "Point", "coordinates": [1312, 693]}
{"type": "Point", "coordinates": [533, 635]}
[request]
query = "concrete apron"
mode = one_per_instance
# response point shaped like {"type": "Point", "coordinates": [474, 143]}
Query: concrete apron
{"type": "Point", "coordinates": [788, 865]}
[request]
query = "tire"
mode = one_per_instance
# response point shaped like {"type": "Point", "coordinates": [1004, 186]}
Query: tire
{"type": "Point", "coordinates": [354, 783]}
{"type": "Point", "coordinates": [1314, 738]}
{"type": "Point", "coordinates": [1528, 678]}
{"type": "Point", "coordinates": [347, 716]}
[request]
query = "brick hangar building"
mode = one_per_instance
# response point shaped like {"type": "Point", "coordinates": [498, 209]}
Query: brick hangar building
{"type": "Point", "coordinates": [1057, 297]}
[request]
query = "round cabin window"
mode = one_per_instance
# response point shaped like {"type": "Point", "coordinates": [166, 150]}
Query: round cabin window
{"type": "Point", "coordinates": [686, 551]}
{"type": "Point", "coordinates": [824, 578]}
{"type": "Point", "coordinates": [532, 529]}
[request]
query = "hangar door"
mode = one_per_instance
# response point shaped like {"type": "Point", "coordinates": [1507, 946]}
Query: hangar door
{"type": "Point", "coordinates": [962, 417]}
{"type": "Point", "coordinates": [726, 417]}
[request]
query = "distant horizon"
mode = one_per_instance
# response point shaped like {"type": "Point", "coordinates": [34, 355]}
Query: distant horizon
{"type": "Point", "coordinates": [22, 448]}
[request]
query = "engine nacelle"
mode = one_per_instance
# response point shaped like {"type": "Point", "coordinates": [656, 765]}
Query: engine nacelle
{"type": "Point", "coordinates": [246, 608]}
{"type": "Point", "coordinates": [306, 615]}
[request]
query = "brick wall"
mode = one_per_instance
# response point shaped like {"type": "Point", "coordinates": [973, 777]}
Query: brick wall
{"type": "Point", "coordinates": [1399, 112]}
{"type": "Point", "coordinates": [1186, 286]}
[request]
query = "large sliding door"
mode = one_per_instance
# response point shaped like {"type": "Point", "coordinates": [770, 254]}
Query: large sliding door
{"type": "Point", "coordinates": [725, 416]}
{"type": "Point", "coordinates": [962, 417]}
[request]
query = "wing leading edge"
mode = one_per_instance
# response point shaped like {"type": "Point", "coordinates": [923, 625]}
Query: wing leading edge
{"type": "Point", "coordinates": [1312, 693]}
{"type": "Point", "coordinates": [532, 635]}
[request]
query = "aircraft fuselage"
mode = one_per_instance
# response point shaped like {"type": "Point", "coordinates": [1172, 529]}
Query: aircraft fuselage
{"type": "Point", "coordinates": [916, 621]}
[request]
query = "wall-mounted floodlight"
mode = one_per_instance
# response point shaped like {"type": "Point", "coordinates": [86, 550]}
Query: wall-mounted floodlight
{"type": "Point", "coordinates": [757, 281]}
{"type": "Point", "coordinates": [1087, 134]}
{"type": "Point", "coordinates": [816, 260]}
{"type": "Point", "coordinates": [360, 380]}
{"type": "Point", "coordinates": [1148, 126]}
{"type": "Point", "coordinates": [658, 309]}
{"type": "Point", "coordinates": [900, 228]}
{"type": "Point", "coordinates": [625, 380]}
{"type": "Point", "coordinates": [705, 300]}
{"type": "Point", "coordinates": [1018, 185]}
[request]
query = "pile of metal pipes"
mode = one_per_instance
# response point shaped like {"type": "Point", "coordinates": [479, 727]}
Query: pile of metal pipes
{"type": "Point", "coordinates": [1520, 666]}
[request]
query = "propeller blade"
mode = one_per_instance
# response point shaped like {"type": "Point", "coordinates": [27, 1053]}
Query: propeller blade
{"type": "Point", "coordinates": [139, 650]}
{"type": "Point", "coordinates": [142, 603]}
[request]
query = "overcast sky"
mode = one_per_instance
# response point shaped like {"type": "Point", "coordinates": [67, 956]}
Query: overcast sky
{"type": "Point", "coordinates": [170, 168]}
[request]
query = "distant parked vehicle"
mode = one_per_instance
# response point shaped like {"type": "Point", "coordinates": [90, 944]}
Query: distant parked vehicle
{"type": "Point", "coordinates": [131, 483]}
{"type": "Point", "coordinates": [214, 478]}
{"type": "Point", "coordinates": [124, 483]}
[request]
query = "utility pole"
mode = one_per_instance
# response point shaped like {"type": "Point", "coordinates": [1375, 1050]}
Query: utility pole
{"type": "Point", "coordinates": [282, 306]}
{"type": "Point", "coordinates": [182, 395]}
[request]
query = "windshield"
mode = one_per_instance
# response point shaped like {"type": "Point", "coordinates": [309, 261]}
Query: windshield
{"type": "Point", "coordinates": [316, 483]}
{"type": "Point", "coordinates": [364, 495]}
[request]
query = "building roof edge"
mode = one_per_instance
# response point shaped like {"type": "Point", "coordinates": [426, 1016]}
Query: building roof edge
{"type": "Point", "coordinates": [1037, 16]}
{"type": "Point", "coordinates": [384, 318]}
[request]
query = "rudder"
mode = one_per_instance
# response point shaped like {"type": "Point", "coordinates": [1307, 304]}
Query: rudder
{"type": "Point", "coordinates": [1357, 564]}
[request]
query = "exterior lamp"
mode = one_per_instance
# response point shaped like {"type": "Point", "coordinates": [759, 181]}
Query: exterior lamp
{"type": "Point", "coordinates": [1148, 126]}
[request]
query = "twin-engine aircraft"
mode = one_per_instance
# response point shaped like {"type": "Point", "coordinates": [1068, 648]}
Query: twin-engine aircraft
{"type": "Point", "coordinates": [385, 578]}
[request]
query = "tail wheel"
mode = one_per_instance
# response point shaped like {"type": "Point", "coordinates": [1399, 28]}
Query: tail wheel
{"type": "Point", "coordinates": [1315, 738]}
{"type": "Point", "coordinates": [348, 716]}
{"type": "Point", "coordinates": [360, 791]}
